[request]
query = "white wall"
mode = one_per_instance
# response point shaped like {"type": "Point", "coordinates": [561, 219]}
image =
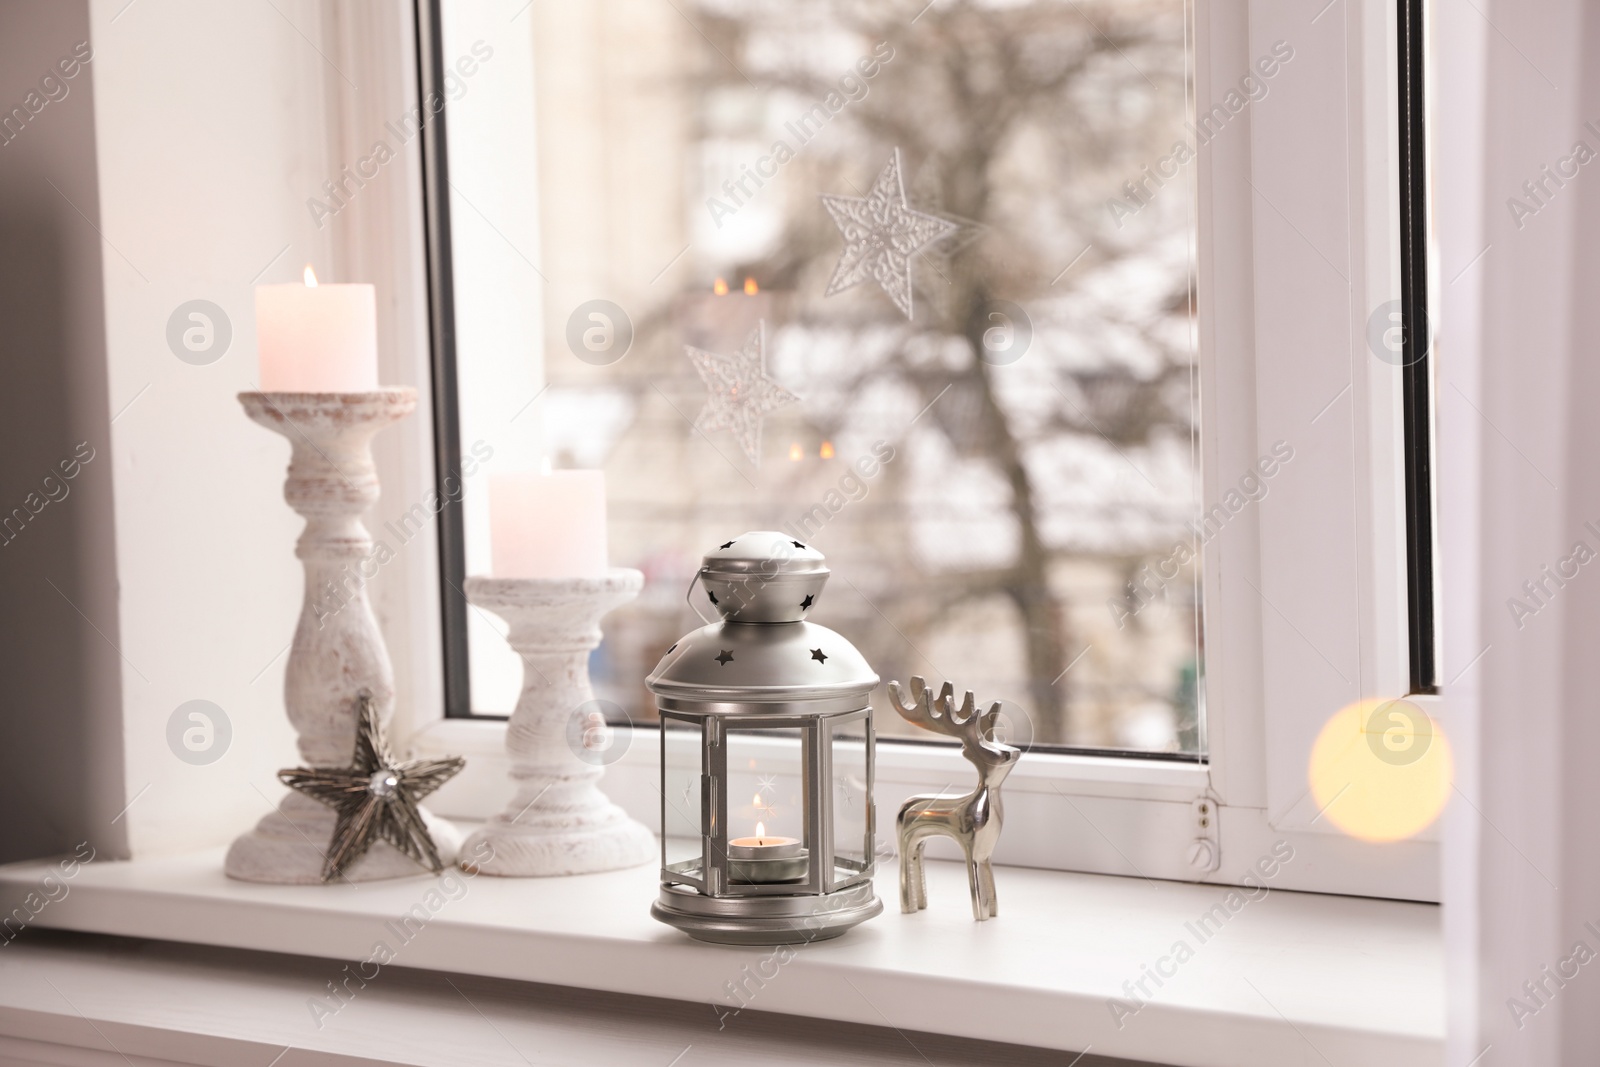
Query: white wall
{"type": "Point", "coordinates": [61, 777]}
{"type": "Point", "coordinates": [1518, 440]}
{"type": "Point", "coordinates": [213, 129]}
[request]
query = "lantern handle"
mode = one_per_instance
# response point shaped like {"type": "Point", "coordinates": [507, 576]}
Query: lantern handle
{"type": "Point", "coordinates": [688, 597]}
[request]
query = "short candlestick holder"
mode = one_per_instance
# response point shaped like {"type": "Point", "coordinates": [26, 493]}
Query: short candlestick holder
{"type": "Point", "coordinates": [338, 649]}
{"type": "Point", "coordinates": [559, 822]}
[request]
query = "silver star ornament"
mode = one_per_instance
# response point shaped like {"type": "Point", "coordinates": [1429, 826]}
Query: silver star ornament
{"type": "Point", "coordinates": [882, 232]}
{"type": "Point", "coordinates": [375, 798]}
{"type": "Point", "coordinates": [738, 392]}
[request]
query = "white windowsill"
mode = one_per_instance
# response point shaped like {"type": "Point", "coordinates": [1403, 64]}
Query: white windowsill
{"type": "Point", "coordinates": [1352, 981]}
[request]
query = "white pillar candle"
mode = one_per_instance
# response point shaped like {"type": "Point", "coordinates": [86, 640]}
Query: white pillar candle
{"type": "Point", "coordinates": [548, 525]}
{"type": "Point", "coordinates": [317, 338]}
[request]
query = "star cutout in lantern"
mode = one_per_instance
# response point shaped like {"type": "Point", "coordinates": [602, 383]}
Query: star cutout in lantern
{"type": "Point", "coordinates": [375, 797]}
{"type": "Point", "coordinates": [882, 232]}
{"type": "Point", "coordinates": [739, 393]}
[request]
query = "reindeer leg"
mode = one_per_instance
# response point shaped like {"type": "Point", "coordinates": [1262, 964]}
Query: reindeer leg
{"type": "Point", "coordinates": [986, 873]}
{"type": "Point", "coordinates": [980, 907]}
{"type": "Point", "coordinates": [909, 872]}
{"type": "Point", "coordinates": [921, 884]}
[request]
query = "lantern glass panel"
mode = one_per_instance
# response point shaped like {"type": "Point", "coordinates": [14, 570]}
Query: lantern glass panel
{"type": "Point", "coordinates": [682, 793]}
{"type": "Point", "coordinates": [852, 799]}
{"type": "Point", "coordinates": [768, 826]}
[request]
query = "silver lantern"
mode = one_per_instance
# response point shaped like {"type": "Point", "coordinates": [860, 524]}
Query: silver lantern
{"type": "Point", "coordinates": [766, 758]}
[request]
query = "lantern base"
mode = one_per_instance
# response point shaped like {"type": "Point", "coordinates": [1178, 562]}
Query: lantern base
{"type": "Point", "coordinates": [765, 920]}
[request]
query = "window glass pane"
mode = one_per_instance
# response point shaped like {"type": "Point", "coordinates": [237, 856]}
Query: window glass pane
{"type": "Point", "coordinates": [851, 801]}
{"type": "Point", "coordinates": [769, 840]}
{"type": "Point", "coordinates": [913, 283]}
{"type": "Point", "coordinates": [681, 798]}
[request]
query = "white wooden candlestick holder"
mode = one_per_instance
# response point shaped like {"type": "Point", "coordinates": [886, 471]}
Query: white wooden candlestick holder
{"type": "Point", "coordinates": [338, 649]}
{"type": "Point", "coordinates": [559, 822]}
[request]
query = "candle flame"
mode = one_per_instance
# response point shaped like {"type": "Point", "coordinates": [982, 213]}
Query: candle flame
{"type": "Point", "coordinates": [761, 831]}
{"type": "Point", "coordinates": [750, 287]}
{"type": "Point", "coordinates": [719, 287]}
{"type": "Point", "coordinates": [311, 277]}
{"type": "Point", "coordinates": [795, 452]}
{"type": "Point", "coordinates": [757, 800]}
{"type": "Point", "coordinates": [827, 450]}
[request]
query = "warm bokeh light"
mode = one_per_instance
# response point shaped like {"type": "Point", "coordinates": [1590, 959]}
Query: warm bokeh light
{"type": "Point", "coordinates": [1381, 770]}
{"type": "Point", "coordinates": [750, 287]}
{"type": "Point", "coordinates": [310, 277]}
{"type": "Point", "coordinates": [796, 453]}
{"type": "Point", "coordinates": [826, 452]}
{"type": "Point", "coordinates": [720, 287]}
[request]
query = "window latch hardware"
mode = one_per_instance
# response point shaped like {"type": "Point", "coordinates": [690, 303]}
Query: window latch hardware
{"type": "Point", "coordinates": [1205, 851]}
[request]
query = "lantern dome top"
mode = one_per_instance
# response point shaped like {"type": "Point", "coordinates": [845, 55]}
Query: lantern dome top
{"type": "Point", "coordinates": [766, 552]}
{"type": "Point", "coordinates": [763, 577]}
{"type": "Point", "coordinates": [763, 653]}
{"type": "Point", "coordinates": [765, 665]}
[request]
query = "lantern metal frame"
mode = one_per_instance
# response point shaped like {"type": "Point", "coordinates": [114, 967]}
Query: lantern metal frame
{"type": "Point", "coordinates": [821, 705]}
{"type": "Point", "coordinates": [709, 873]}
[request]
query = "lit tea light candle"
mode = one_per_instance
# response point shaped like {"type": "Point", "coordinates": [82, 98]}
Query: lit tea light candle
{"type": "Point", "coordinates": [313, 338]}
{"type": "Point", "coordinates": [766, 858]}
{"type": "Point", "coordinates": [548, 525]}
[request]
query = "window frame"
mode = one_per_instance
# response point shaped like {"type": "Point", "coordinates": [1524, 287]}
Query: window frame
{"type": "Point", "coordinates": [1281, 202]}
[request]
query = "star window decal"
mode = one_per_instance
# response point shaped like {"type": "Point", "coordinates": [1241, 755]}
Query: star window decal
{"type": "Point", "coordinates": [738, 392]}
{"type": "Point", "coordinates": [882, 234]}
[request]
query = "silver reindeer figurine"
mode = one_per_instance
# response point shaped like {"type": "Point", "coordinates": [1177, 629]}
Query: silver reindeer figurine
{"type": "Point", "coordinates": [974, 818]}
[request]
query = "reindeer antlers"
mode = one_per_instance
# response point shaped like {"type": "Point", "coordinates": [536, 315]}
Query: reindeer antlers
{"type": "Point", "coordinates": [940, 715]}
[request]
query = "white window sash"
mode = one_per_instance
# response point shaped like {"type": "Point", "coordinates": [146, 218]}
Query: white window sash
{"type": "Point", "coordinates": [1305, 592]}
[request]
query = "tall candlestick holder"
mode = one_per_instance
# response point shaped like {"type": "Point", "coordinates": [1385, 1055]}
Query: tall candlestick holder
{"type": "Point", "coordinates": [338, 650]}
{"type": "Point", "coordinates": [559, 822]}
